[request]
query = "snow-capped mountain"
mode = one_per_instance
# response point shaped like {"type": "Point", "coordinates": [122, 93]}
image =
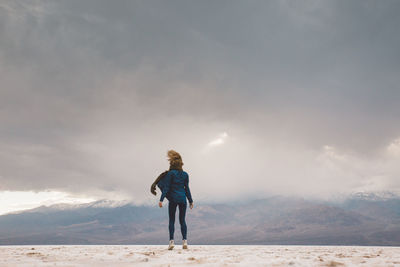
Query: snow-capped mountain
{"type": "Point", "coordinates": [374, 196]}
{"type": "Point", "coordinates": [103, 203]}
{"type": "Point", "coordinates": [359, 220]}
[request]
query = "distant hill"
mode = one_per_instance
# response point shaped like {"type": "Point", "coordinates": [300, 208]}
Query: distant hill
{"type": "Point", "coordinates": [361, 219]}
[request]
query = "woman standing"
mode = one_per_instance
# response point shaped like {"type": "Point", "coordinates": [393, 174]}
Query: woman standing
{"type": "Point", "coordinates": [174, 185]}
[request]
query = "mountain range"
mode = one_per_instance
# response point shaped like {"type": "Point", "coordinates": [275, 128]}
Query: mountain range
{"type": "Point", "coordinates": [360, 219]}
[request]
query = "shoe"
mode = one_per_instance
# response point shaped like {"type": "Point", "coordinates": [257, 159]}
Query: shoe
{"type": "Point", "coordinates": [184, 244]}
{"type": "Point", "coordinates": [171, 245]}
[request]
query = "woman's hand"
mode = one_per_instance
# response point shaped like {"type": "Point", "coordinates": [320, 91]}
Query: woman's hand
{"type": "Point", "coordinates": [191, 205]}
{"type": "Point", "coordinates": [160, 204]}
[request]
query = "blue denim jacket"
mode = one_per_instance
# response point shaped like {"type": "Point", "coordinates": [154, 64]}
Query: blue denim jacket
{"type": "Point", "coordinates": [175, 187]}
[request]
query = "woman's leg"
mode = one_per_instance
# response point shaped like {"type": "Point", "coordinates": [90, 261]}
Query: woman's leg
{"type": "Point", "coordinates": [182, 214]}
{"type": "Point", "coordinates": [171, 213]}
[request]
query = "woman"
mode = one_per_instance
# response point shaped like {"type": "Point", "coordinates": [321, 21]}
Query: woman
{"type": "Point", "coordinates": [174, 185]}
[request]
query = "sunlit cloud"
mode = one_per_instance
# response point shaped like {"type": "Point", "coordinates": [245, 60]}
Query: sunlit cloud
{"type": "Point", "coordinates": [394, 147]}
{"type": "Point", "coordinates": [219, 141]}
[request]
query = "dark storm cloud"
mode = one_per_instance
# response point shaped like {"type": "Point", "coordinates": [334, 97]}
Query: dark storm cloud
{"type": "Point", "coordinates": [93, 92]}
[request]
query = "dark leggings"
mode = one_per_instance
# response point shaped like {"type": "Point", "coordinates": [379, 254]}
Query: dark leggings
{"type": "Point", "coordinates": [182, 213]}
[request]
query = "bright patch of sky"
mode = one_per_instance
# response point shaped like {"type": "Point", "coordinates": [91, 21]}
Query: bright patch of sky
{"type": "Point", "coordinates": [21, 200]}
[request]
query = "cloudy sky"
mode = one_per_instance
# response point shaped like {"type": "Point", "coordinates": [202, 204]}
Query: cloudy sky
{"type": "Point", "coordinates": [260, 97]}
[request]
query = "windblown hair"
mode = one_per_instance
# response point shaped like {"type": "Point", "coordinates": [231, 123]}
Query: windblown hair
{"type": "Point", "coordinates": [175, 160]}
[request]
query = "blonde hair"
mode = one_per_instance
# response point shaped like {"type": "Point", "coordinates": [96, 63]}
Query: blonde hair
{"type": "Point", "coordinates": [175, 159]}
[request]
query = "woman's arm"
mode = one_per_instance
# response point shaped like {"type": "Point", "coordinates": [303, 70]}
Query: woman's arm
{"type": "Point", "coordinates": [167, 179]}
{"type": "Point", "coordinates": [187, 190]}
{"type": "Point", "coordinates": [153, 186]}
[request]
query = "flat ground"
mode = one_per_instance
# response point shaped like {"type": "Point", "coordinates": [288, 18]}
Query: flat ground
{"type": "Point", "coordinates": [149, 255]}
